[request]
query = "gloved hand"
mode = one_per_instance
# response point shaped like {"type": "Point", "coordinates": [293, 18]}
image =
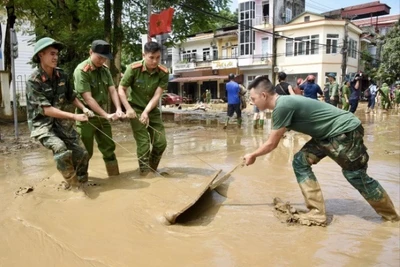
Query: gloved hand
{"type": "Point", "coordinates": [88, 112]}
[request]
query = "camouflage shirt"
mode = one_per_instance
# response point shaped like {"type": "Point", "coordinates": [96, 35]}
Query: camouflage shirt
{"type": "Point", "coordinates": [43, 91]}
{"type": "Point", "coordinates": [89, 78]}
{"type": "Point", "coordinates": [144, 83]}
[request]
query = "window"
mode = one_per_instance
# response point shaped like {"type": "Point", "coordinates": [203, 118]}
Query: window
{"type": "Point", "coordinates": [246, 34]}
{"type": "Point", "coordinates": [303, 45]}
{"type": "Point", "coordinates": [234, 51]}
{"type": "Point", "coordinates": [224, 52]}
{"type": "Point", "coordinates": [250, 78]}
{"type": "Point", "coordinates": [306, 18]}
{"type": "Point", "coordinates": [215, 53]}
{"type": "Point", "coordinates": [314, 44]}
{"type": "Point", "coordinates": [352, 48]}
{"type": "Point", "coordinates": [265, 10]}
{"type": "Point", "coordinates": [265, 46]}
{"type": "Point", "coordinates": [288, 15]}
{"type": "Point", "coordinates": [206, 54]}
{"type": "Point", "coordinates": [189, 55]}
{"type": "Point", "coordinates": [289, 47]}
{"type": "Point", "coordinates": [332, 43]}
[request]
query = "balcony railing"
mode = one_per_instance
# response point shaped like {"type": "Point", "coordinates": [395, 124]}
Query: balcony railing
{"type": "Point", "coordinates": [262, 20]}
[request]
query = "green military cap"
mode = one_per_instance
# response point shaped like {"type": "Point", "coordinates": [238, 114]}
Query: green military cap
{"type": "Point", "coordinates": [44, 43]}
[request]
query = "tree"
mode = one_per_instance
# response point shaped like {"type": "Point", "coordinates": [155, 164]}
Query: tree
{"type": "Point", "coordinates": [390, 61]}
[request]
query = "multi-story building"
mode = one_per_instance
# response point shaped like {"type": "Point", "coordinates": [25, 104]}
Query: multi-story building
{"type": "Point", "coordinates": [203, 62]}
{"type": "Point", "coordinates": [257, 19]}
{"type": "Point", "coordinates": [311, 44]}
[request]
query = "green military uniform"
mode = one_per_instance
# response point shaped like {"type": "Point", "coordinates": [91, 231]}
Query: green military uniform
{"type": "Point", "coordinates": [385, 96]}
{"type": "Point", "coordinates": [337, 134]}
{"type": "Point", "coordinates": [345, 92]}
{"type": "Point", "coordinates": [88, 78]}
{"type": "Point", "coordinates": [397, 95]}
{"type": "Point", "coordinates": [58, 135]}
{"type": "Point", "coordinates": [208, 97]}
{"type": "Point", "coordinates": [150, 141]}
{"type": "Point", "coordinates": [334, 92]}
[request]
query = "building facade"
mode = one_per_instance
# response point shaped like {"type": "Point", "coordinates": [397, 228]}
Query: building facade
{"type": "Point", "coordinates": [312, 44]}
{"type": "Point", "coordinates": [203, 62]}
{"type": "Point", "coordinates": [257, 19]}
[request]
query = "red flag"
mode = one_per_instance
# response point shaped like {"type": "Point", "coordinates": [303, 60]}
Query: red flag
{"type": "Point", "coordinates": [161, 23]}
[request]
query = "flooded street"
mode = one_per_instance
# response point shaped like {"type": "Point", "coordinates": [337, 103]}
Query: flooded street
{"type": "Point", "coordinates": [120, 222]}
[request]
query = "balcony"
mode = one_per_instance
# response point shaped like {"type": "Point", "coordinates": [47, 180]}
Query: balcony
{"type": "Point", "coordinates": [262, 22]}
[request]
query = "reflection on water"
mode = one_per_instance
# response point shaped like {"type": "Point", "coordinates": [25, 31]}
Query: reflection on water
{"type": "Point", "coordinates": [119, 223]}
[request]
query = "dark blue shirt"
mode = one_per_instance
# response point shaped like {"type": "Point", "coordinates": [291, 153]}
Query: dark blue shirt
{"type": "Point", "coordinates": [355, 94]}
{"type": "Point", "coordinates": [311, 90]}
{"type": "Point", "coordinates": [233, 89]}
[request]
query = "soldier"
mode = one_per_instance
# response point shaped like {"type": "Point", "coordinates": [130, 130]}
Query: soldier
{"type": "Point", "coordinates": [333, 90]}
{"type": "Point", "coordinates": [93, 83]}
{"type": "Point", "coordinates": [50, 100]}
{"type": "Point", "coordinates": [148, 80]}
{"type": "Point", "coordinates": [335, 133]}
{"type": "Point", "coordinates": [346, 95]}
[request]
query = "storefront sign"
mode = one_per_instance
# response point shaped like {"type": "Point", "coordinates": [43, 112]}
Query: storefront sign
{"type": "Point", "coordinates": [224, 64]}
{"type": "Point", "coordinates": [184, 66]}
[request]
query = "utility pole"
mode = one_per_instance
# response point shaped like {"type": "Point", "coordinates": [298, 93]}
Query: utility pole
{"type": "Point", "coordinates": [344, 50]}
{"type": "Point", "coordinates": [273, 43]}
{"type": "Point", "coordinates": [148, 19]}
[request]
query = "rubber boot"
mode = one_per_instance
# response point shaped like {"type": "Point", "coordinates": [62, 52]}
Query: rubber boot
{"type": "Point", "coordinates": [66, 167]}
{"type": "Point", "coordinates": [385, 208]}
{"type": "Point", "coordinates": [255, 124]}
{"type": "Point", "coordinates": [226, 123]}
{"type": "Point", "coordinates": [112, 168]}
{"type": "Point", "coordinates": [144, 166]}
{"type": "Point", "coordinates": [315, 203]}
{"type": "Point", "coordinates": [154, 162]}
{"type": "Point", "coordinates": [239, 123]}
{"type": "Point", "coordinates": [261, 124]}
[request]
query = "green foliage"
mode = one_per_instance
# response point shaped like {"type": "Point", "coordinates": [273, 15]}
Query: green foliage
{"type": "Point", "coordinates": [390, 62]}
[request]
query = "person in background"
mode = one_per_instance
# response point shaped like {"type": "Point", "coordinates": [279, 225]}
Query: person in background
{"type": "Point", "coordinates": [384, 93]}
{"type": "Point", "coordinates": [397, 95]}
{"type": "Point", "coordinates": [335, 133]}
{"type": "Point", "coordinates": [283, 88]}
{"type": "Point", "coordinates": [355, 92]}
{"type": "Point", "coordinates": [233, 92]}
{"type": "Point", "coordinates": [208, 96]}
{"type": "Point", "coordinates": [346, 95]}
{"type": "Point", "coordinates": [371, 99]}
{"type": "Point", "coordinates": [94, 83]}
{"type": "Point", "coordinates": [258, 118]}
{"type": "Point", "coordinates": [333, 90]}
{"type": "Point", "coordinates": [50, 105]}
{"type": "Point", "coordinates": [310, 88]}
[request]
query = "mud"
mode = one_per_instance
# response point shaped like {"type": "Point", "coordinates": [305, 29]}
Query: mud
{"type": "Point", "coordinates": [120, 221]}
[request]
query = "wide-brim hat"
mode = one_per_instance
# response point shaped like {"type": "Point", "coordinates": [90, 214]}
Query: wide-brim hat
{"type": "Point", "coordinates": [44, 43]}
{"type": "Point", "coordinates": [102, 48]}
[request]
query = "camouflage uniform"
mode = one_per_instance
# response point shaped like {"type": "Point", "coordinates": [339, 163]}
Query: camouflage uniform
{"type": "Point", "coordinates": [58, 135]}
{"type": "Point", "coordinates": [339, 135]}
{"type": "Point", "coordinates": [88, 78]}
{"type": "Point", "coordinates": [150, 144]}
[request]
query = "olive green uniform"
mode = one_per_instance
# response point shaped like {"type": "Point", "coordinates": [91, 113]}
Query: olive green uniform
{"type": "Point", "coordinates": [150, 141]}
{"type": "Point", "coordinates": [385, 96]}
{"type": "Point", "coordinates": [337, 134]}
{"type": "Point", "coordinates": [88, 78]}
{"type": "Point", "coordinates": [334, 93]}
{"type": "Point", "coordinates": [345, 92]}
{"type": "Point", "coordinates": [58, 135]}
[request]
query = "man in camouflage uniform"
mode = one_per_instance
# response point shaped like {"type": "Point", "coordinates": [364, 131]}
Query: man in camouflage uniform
{"type": "Point", "coordinates": [335, 133]}
{"type": "Point", "coordinates": [50, 100]}
{"type": "Point", "coordinates": [333, 90]}
{"type": "Point", "coordinates": [147, 79]}
{"type": "Point", "coordinates": [93, 83]}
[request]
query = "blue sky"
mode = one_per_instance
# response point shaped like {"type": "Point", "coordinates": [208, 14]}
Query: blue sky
{"type": "Point", "coordinates": [319, 6]}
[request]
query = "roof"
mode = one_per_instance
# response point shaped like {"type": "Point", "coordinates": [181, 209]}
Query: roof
{"type": "Point", "coordinates": [360, 11]}
{"type": "Point", "coordinates": [303, 13]}
{"type": "Point", "coordinates": [199, 78]}
{"type": "Point", "coordinates": [384, 20]}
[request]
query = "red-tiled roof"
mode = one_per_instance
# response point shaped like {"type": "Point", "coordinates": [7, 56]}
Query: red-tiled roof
{"type": "Point", "coordinates": [377, 20]}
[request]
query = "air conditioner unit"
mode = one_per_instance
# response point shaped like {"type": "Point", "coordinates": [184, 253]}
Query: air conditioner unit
{"type": "Point", "coordinates": [283, 15]}
{"type": "Point", "coordinates": [278, 34]}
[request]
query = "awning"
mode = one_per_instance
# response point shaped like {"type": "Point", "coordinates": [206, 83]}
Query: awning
{"type": "Point", "coordinates": [199, 78]}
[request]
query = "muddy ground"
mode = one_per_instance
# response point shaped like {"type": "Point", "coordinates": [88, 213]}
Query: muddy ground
{"type": "Point", "coordinates": [120, 221]}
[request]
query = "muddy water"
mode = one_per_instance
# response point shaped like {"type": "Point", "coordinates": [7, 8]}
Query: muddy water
{"type": "Point", "coordinates": [120, 221]}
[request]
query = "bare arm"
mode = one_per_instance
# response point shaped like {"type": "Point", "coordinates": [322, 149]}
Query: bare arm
{"type": "Point", "coordinates": [291, 90]}
{"type": "Point", "coordinates": [59, 114]}
{"type": "Point", "coordinates": [154, 100]}
{"type": "Point", "coordinates": [357, 85]}
{"type": "Point", "coordinates": [77, 103]}
{"type": "Point", "coordinates": [272, 142]}
{"type": "Point", "coordinates": [114, 97]}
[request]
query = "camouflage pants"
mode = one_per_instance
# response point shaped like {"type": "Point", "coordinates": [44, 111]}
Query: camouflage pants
{"type": "Point", "coordinates": [349, 152]}
{"type": "Point", "coordinates": [68, 154]}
